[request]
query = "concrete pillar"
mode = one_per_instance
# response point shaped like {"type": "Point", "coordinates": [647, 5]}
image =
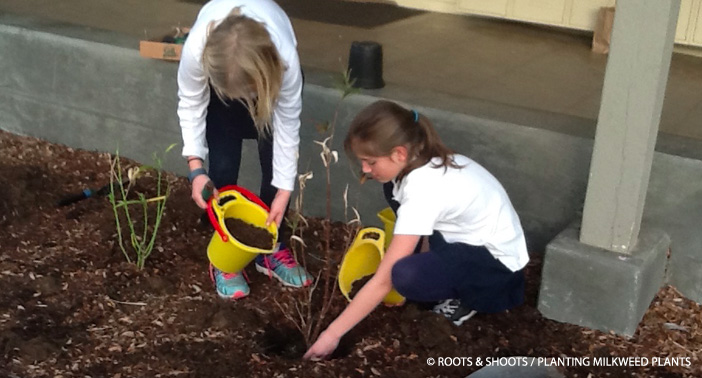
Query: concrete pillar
{"type": "Point", "coordinates": [632, 99]}
{"type": "Point", "coordinates": [583, 282]}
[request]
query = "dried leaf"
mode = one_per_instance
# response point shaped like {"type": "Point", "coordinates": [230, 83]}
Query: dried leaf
{"type": "Point", "coordinates": [298, 239]}
{"type": "Point", "coordinates": [675, 327]}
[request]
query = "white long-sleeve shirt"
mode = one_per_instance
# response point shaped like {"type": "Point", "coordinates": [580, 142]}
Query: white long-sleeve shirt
{"type": "Point", "coordinates": [194, 94]}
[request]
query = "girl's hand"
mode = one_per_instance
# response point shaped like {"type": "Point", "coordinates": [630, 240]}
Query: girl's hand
{"type": "Point", "coordinates": [280, 203]}
{"type": "Point", "coordinates": [323, 347]}
{"type": "Point", "coordinates": [198, 185]}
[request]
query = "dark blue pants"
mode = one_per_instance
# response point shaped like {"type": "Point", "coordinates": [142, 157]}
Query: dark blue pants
{"type": "Point", "coordinates": [458, 271]}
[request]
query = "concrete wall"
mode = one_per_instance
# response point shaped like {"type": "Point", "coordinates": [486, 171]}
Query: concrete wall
{"type": "Point", "coordinates": [674, 204]}
{"type": "Point", "coordinates": [86, 89]}
{"type": "Point", "coordinates": [90, 89]}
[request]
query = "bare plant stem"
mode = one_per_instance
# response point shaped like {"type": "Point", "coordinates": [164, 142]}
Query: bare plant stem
{"type": "Point", "coordinates": [115, 169]}
{"type": "Point", "coordinates": [311, 322]}
{"type": "Point", "coordinates": [299, 326]}
{"type": "Point", "coordinates": [326, 295]}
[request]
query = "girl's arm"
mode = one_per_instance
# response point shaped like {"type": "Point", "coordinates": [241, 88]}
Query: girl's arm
{"type": "Point", "coordinates": [193, 97]}
{"type": "Point", "coordinates": [286, 137]}
{"type": "Point", "coordinates": [286, 125]}
{"type": "Point", "coordinates": [370, 295]}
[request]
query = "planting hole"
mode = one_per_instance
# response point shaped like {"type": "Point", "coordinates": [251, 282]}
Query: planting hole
{"type": "Point", "coordinates": [282, 341]}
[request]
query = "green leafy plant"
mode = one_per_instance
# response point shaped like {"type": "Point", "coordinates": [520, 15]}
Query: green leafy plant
{"type": "Point", "coordinates": [142, 215]}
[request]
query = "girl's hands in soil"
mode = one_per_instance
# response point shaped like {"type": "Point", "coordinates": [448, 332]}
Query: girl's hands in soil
{"type": "Point", "coordinates": [323, 347]}
{"type": "Point", "coordinates": [280, 203]}
{"type": "Point", "coordinates": [199, 184]}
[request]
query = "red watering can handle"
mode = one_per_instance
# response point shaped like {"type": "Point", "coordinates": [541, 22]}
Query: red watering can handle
{"type": "Point", "coordinates": [213, 221]}
{"type": "Point", "coordinates": [247, 194]}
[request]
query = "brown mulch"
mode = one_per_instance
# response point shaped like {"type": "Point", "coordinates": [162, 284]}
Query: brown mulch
{"type": "Point", "coordinates": [71, 306]}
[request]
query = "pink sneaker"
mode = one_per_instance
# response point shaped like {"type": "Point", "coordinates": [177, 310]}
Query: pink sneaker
{"type": "Point", "coordinates": [229, 285]}
{"type": "Point", "coordinates": [282, 266]}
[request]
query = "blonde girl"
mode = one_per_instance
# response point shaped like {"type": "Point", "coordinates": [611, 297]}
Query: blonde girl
{"type": "Point", "coordinates": [239, 78]}
{"type": "Point", "coordinates": [476, 244]}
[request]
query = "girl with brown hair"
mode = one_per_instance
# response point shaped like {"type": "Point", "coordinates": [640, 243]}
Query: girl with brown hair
{"type": "Point", "coordinates": [477, 248]}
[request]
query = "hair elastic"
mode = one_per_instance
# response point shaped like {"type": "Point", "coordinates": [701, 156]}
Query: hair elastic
{"type": "Point", "coordinates": [416, 115]}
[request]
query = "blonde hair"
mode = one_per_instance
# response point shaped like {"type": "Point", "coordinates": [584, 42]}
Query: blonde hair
{"type": "Point", "coordinates": [242, 63]}
{"type": "Point", "coordinates": [384, 125]}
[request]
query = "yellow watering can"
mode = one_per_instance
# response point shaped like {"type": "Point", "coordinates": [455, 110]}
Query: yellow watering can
{"type": "Point", "coordinates": [362, 259]}
{"type": "Point", "coordinates": [225, 252]}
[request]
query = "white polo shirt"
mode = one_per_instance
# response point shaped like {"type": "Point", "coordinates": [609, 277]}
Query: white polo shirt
{"type": "Point", "coordinates": [466, 205]}
{"type": "Point", "coordinates": [194, 94]}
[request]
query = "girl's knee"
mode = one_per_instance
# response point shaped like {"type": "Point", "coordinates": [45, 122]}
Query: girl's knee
{"type": "Point", "coordinates": [403, 275]}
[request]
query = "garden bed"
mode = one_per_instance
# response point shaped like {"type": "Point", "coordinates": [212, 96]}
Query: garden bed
{"type": "Point", "coordinates": [72, 306]}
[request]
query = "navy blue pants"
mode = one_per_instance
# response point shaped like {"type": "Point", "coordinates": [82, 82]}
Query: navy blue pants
{"type": "Point", "coordinates": [457, 271]}
{"type": "Point", "coordinates": [228, 124]}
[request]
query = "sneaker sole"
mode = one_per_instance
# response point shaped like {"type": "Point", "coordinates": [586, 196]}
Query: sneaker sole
{"type": "Point", "coordinates": [462, 319]}
{"type": "Point", "coordinates": [444, 308]}
{"type": "Point", "coordinates": [237, 295]}
{"type": "Point", "coordinates": [270, 273]}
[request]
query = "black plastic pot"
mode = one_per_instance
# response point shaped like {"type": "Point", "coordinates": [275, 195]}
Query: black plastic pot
{"type": "Point", "coordinates": [366, 64]}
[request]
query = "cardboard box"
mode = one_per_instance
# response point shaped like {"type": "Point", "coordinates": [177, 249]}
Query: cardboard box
{"type": "Point", "coordinates": [602, 36]}
{"type": "Point", "coordinates": [163, 50]}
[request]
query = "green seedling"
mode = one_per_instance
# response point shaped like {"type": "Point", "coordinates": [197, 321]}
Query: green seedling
{"type": "Point", "coordinates": [141, 233]}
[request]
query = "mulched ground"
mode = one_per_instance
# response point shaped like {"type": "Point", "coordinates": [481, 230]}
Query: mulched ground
{"type": "Point", "coordinates": [71, 306]}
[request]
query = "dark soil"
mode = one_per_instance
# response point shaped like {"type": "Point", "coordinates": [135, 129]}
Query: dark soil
{"type": "Point", "coordinates": [71, 306]}
{"type": "Point", "coordinates": [357, 285]}
{"type": "Point", "coordinates": [248, 234]}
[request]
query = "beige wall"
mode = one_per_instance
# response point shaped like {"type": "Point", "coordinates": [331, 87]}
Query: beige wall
{"type": "Point", "coordinates": [572, 14]}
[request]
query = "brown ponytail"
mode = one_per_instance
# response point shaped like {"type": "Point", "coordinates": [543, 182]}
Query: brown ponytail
{"type": "Point", "coordinates": [384, 125]}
